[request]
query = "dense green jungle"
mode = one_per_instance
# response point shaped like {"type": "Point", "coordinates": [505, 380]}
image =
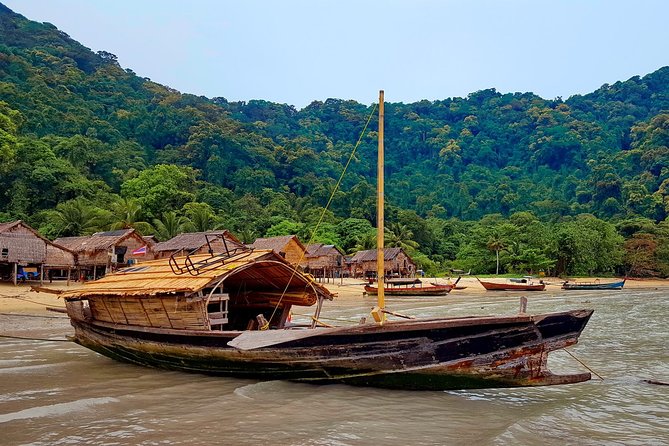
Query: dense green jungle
{"type": "Point", "coordinates": [492, 182]}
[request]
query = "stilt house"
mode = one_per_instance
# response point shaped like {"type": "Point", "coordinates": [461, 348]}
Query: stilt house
{"type": "Point", "coordinates": [397, 263]}
{"type": "Point", "coordinates": [26, 255]}
{"type": "Point", "coordinates": [324, 261]}
{"type": "Point", "coordinates": [107, 251]}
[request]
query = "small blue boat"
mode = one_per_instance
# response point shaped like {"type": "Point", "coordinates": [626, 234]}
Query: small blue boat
{"type": "Point", "coordinates": [596, 285]}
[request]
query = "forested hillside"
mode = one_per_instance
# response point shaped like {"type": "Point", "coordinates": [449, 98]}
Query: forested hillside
{"type": "Point", "coordinates": [576, 186]}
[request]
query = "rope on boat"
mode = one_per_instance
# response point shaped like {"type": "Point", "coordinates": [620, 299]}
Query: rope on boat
{"type": "Point", "coordinates": [33, 315]}
{"type": "Point", "coordinates": [584, 364]}
{"type": "Point", "coordinates": [320, 220]}
{"type": "Point", "coordinates": [321, 323]}
{"type": "Point", "coordinates": [34, 339]}
{"type": "Point", "coordinates": [18, 297]}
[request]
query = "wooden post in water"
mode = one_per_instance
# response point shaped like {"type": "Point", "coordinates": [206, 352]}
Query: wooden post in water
{"type": "Point", "coordinates": [380, 202]}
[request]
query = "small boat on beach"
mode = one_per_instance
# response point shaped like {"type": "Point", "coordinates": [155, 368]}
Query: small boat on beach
{"type": "Point", "coordinates": [595, 285]}
{"type": "Point", "coordinates": [410, 287]}
{"type": "Point", "coordinates": [522, 284]}
{"type": "Point", "coordinates": [228, 314]}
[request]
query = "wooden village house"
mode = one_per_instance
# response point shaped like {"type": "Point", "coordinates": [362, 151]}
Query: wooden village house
{"type": "Point", "coordinates": [323, 261]}
{"type": "Point", "coordinates": [107, 251]}
{"type": "Point", "coordinates": [288, 246]}
{"type": "Point", "coordinates": [27, 255]}
{"type": "Point", "coordinates": [197, 243]}
{"type": "Point", "coordinates": [397, 263]}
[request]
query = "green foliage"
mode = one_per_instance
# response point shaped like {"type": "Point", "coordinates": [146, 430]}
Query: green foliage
{"type": "Point", "coordinates": [494, 182]}
{"type": "Point", "coordinates": [160, 188]}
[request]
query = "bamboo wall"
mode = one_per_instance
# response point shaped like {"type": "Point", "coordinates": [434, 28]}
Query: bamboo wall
{"type": "Point", "coordinates": [294, 252]}
{"type": "Point", "coordinates": [158, 312]}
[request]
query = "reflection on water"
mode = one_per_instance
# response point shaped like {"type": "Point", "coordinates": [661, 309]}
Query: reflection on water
{"type": "Point", "coordinates": [55, 393]}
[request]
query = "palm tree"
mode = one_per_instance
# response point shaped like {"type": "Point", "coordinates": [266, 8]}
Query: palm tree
{"type": "Point", "coordinates": [201, 217]}
{"type": "Point", "coordinates": [364, 244]}
{"type": "Point", "coordinates": [125, 215]}
{"type": "Point", "coordinates": [169, 226]}
{"type": "Point", "coordinates": [495, 243]}
{"type": "Point", "coordinates": [76, 217]}
{"type": "Point", "coordinates": [398, 235]}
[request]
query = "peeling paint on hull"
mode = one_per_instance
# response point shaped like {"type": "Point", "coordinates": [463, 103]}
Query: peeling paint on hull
{"type": "Point", "coordinates": [435, 354]}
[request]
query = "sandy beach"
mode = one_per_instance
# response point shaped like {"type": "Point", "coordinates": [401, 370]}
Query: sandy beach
{"type": "Point", "coordinates": [20, 298]}
{"type": "Point", "coordinates": [24, 313]}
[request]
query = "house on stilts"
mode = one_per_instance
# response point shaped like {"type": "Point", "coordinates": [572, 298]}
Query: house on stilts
{"type": "Point", "coordinates": [323, 261]}
{"type": "Point", "coordinates": [107, 251]}
{"type": "Point", "coordinates": [397, 263]}
{"type": "Point", "coordinates": [26, 255]}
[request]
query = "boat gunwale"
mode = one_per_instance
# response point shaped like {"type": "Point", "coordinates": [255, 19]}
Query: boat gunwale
{"type": "Point", "coordinates": [390, 326]}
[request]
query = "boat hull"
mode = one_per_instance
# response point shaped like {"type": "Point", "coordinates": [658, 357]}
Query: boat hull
{"type": "Point", "coordinates": [493, 286]}
{"type": "Point", "coordinates": [433, 354]}
{"type": "Point", "coordinates": [435, 290]}
{"type": "Point", "coordinates": [594, 286]}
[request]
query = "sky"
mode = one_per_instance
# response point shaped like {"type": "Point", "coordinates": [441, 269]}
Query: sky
{"type": "Point", "coordinates": [298, 51]}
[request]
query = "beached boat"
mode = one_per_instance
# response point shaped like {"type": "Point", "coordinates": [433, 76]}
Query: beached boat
{"type": "Point", "coordinates": [596, 285]}
{"type": "Point", "coordinates": [521, 284]}
{"type": "Point", "coordinates": [410, 287]}
{"type": "Point", "coordinates": [228, 314]}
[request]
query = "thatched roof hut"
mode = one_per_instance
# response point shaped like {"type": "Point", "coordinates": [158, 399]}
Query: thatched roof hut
{"type": "Point", "coordinates": [396, 262]}
{"type": "Point", "coordinates": [196, 243]}
{"type": "Point", "coordinates": [288, 246]}
{"type": "Point", "coordinates": [107, 249]}
{"type": "Point", "coordinates": [21, 245]}
{"type": "Point", "coordinates": [322, 260]}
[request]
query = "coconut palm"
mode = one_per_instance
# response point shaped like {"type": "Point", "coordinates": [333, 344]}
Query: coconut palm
{"type": "Point", "coordinates": [169, 226]}
{"type": "Point", "coordinates": [364, 244]}
{"type": "Point", "coordinates": [398, 235]}
{"type": "Point", "coordinates": [76, 217]}
{"type": "Point", "coordinates": [495, 243]}
{"type": "Point", "coordinates": [201, 217]}
{"type": "Point", "coordinates": [125, 214]}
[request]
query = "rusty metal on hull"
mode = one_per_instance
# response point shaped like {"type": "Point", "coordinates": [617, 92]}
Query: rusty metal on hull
{"type": "Point", "coordinates": [435, 354]}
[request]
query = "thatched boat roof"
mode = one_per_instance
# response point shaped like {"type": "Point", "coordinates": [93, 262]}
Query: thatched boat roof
{"type": "Point", "coordinates": [261, 271]}
{"type": "Point", "coordinates": [190, 241]}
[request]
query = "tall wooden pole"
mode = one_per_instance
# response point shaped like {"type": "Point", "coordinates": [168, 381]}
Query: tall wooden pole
{"type": "Point", "coordinates": [380, 268]}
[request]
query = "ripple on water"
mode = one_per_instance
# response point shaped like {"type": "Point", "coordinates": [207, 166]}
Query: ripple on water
{"type": "Point", "coordinates": [55, 409]}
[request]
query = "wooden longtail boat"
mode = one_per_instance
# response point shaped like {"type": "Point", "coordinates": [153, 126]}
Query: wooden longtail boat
{"type": "Point", "coordinates": [512, 286]}
{"type": "Point", "coordinates": [227, 314]}
{"type": "Point", "coordinates": [596, 285]}
{"type": "Point", "coordinates": [410, 287]}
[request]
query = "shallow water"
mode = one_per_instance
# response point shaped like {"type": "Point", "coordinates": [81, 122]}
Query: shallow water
{"type": "Point", "coordinates": [58, 393]}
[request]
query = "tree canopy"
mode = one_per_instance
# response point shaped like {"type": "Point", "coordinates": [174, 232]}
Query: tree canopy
{"type": "Point", "coordinates": [491, 181]}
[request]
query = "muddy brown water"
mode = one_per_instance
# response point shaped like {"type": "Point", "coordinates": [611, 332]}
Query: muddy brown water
{"type": "Point", "coordinates": [58, 393]}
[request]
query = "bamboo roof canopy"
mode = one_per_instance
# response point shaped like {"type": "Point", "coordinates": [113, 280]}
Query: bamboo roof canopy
{"type": "Point", "coordinates": [263, 271]}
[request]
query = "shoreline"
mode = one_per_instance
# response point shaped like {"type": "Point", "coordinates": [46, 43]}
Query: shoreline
{"type": "Point", "coordinates": [20, 299]}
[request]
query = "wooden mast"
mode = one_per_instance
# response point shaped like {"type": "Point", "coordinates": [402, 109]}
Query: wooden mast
{"type": "Point", "coordinates": [380, 267]}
